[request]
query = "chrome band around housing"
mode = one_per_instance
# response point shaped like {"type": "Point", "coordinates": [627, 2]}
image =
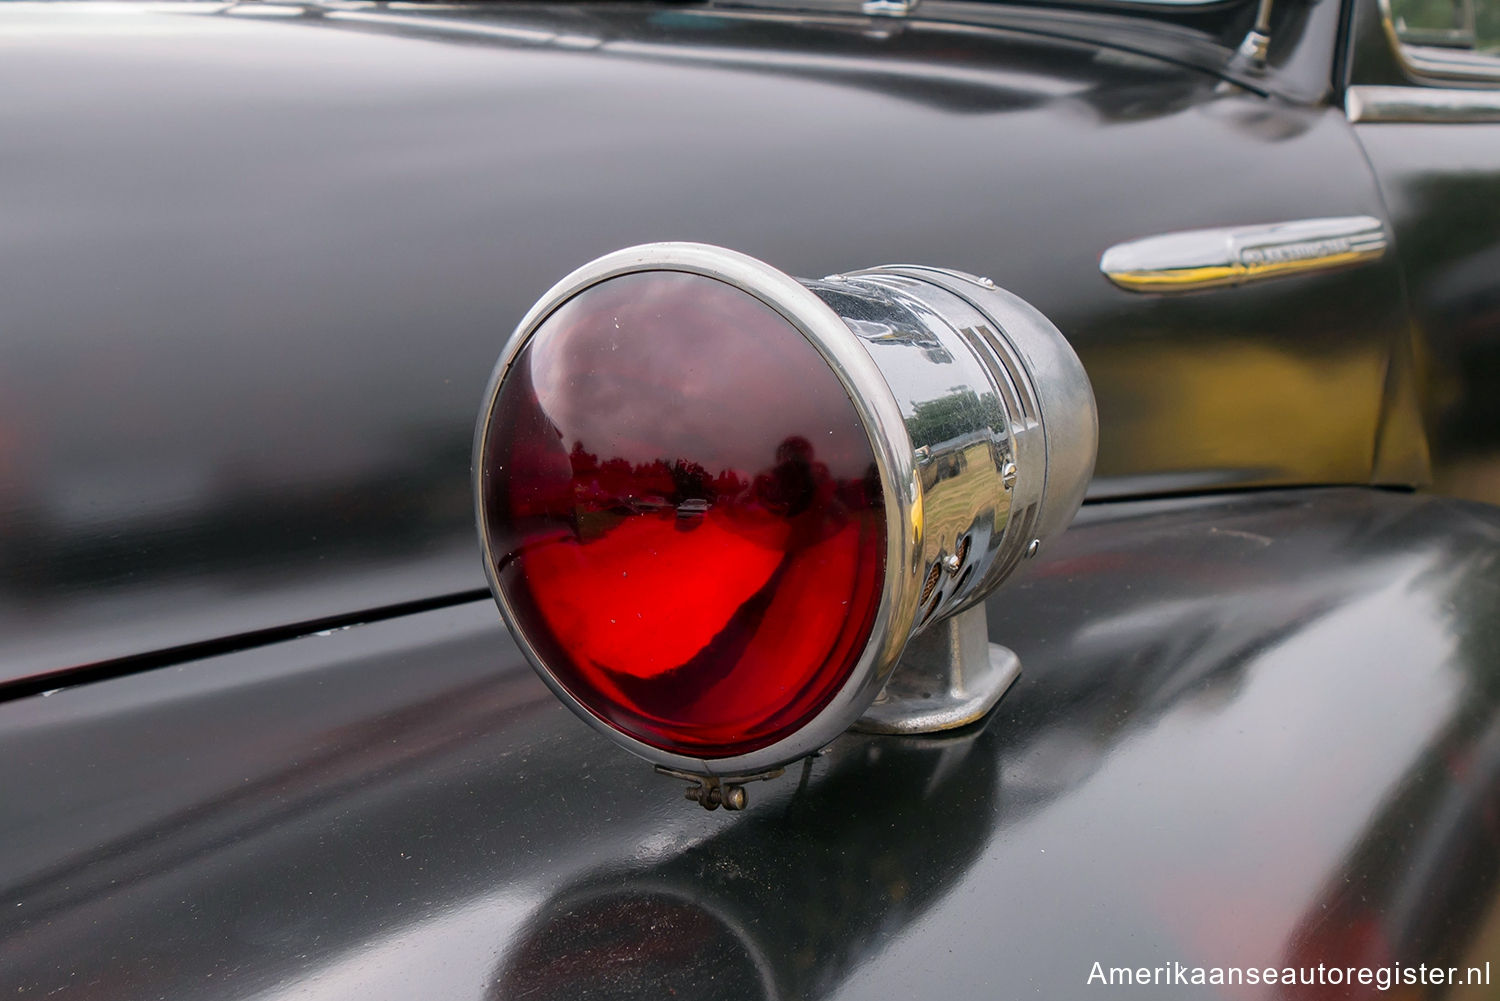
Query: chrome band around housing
{"type": "Point", "coordinates": [1056, 421]}
{"type": "Point", "coordinates": [993, 480]}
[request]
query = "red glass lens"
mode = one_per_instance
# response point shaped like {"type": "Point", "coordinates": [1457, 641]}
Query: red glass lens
{"type": "Point", "coordinates": [684, 513]}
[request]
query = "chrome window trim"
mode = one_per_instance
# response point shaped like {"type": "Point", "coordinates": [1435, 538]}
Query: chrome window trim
{"type": "Point", "coordinates": [1422, 62]}
{"type": "Point", "coordinates": [922, 8]}
{"type": "Point", "coordinates": [1368, 103]}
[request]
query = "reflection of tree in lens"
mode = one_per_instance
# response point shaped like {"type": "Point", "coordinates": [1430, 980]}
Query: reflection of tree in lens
{"type": "Point", "coordinates": [959, 413]}
{"type": "Point", "coordinates": [792, 483]}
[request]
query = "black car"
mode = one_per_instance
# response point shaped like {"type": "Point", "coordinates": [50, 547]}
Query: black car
{"type": "Point", "coordinates": [264, 734]}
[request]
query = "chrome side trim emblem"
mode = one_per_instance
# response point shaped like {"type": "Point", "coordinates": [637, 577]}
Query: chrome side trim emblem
{"type": "Point", "coordinates": [1211, 258]}
{"type": "Point", "coordinates": [1421, 104]}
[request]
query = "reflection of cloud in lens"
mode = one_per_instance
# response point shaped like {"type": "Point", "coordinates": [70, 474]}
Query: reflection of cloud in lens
{"type": "Point", "coordinates": [671, 365]}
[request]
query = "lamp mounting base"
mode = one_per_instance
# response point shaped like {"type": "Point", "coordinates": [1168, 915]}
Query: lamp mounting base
{"type": "Point", "coordinates": [950, 676]}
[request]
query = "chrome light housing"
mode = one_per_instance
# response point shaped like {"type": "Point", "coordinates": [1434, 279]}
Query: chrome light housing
{"type": "Point", "coordinates": [914, 426]}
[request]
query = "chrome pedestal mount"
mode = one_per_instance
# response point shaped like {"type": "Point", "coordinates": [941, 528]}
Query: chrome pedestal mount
{"type": "Point", "coordinates": [951, 676]}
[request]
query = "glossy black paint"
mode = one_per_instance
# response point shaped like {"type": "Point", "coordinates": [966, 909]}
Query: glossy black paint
{"type": "Point", "coordinates": [255, 266]}
{"type": "Point", "coordinates": [256, 263]}
{"type": "Point", "coordinates": [1255, 730]}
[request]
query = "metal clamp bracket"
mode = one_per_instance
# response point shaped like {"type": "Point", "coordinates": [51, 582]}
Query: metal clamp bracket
{"type": "Point", "coordinates": [714, 791]}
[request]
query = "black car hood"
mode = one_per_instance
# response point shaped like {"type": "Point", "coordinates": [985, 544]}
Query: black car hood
{"type": "Point", "coordinates": [1258, 732]}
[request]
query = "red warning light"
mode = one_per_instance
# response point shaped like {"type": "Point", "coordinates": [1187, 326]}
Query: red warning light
{"type": "Point", "coordinates": [684, 513]}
